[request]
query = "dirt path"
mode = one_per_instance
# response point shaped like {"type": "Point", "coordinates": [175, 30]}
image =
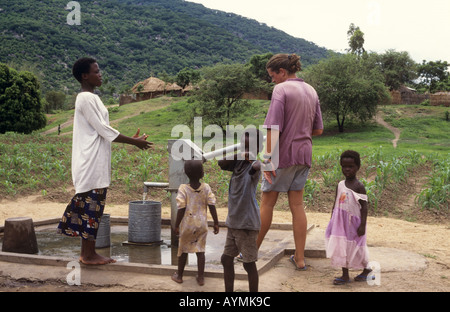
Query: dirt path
{"type": "Point", "coordinates": [113, 123]}
{"type": "Point", "coordinates": [68, 123]}
{"type": "Point", "coordinates": [379, 119]}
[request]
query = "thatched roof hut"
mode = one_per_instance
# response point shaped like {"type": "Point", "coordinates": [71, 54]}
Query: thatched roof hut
{"type": "Point", "coordinates": [151, 84]}
{"type": "Point", "coordinates": [153, 87]}
{"type": "Point", "coordinates": [173, 87]}
{"type": "Point", "coordinates": [189, 88]}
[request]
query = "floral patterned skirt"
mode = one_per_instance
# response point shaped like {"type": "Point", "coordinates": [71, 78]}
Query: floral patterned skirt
{"type": "Point", "coordinates": [82, 215]}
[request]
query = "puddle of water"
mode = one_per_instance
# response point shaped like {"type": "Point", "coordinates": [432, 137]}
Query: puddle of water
{"type": "Point", "coordinates": [56, 245]}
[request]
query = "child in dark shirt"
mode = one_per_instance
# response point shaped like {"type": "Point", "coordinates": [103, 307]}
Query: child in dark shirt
{"type": "Point", "coordinates": [243, 220]}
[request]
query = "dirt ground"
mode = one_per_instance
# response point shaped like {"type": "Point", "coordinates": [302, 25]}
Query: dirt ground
{"type": "Point", "coordinates": [429, 241]}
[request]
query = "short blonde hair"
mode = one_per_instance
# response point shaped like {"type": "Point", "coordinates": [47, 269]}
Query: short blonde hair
{"type": "Point", "coordinates": [289, 62]}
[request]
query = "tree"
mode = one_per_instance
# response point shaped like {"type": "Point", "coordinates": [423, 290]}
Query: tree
{"type": "Point", "coordinates": [258, 66]}
{"type": "Point", "coordinates": [20, 102]}
{"type": "Point", "coordinates": [355, 40]}
{"type": "Point", "coordinates": [219, 97]}
{"type": "Point", "coordinates": [55, 100]}
{"type": "Point", "coordinates": [187, 76]}
{"type": "Point", "coordinates": [434, 74]}
{"type": "Point", "coordinates": [346, 87]}
{"type": "Point", "coordinates": [397, 68]}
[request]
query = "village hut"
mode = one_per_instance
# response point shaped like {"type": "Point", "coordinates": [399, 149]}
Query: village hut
{"type": "Point", "coordinates": [154, 87]}
{"type": "Point", "coordinates": [188, 89]}
{"type": "Point", "coordinates": [440, 99]}
{"type": "Point", "coordinates": [126, 99]}
{"type": "Point", "coordinates": [173, 89]}
{"type": "Point", "coordinates": [406, 95]}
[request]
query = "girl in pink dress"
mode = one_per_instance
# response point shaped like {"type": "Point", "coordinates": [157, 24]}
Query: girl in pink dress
{"type": "Point", "coordinates": [346, 232]}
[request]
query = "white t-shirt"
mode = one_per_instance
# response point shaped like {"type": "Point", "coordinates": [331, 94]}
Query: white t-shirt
{"type": "Point", "coordinates": [91, 145]}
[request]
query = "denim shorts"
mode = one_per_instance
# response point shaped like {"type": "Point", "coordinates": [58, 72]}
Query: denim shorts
{"type": "Point", "coordinates": [288, 179]}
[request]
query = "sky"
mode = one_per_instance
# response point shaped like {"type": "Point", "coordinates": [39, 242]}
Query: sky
{"type": "Point", "coordinates": [422, 28]}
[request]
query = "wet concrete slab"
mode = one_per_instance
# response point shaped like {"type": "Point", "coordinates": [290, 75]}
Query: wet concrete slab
{"type": "Point", "coordinates": [273, 265]}
{"type": "Point", "coordinates": [58, 250]}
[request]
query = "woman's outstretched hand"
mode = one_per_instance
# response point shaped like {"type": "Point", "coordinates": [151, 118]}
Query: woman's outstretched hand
{"type": "Point", "coordinates": [142, 140]}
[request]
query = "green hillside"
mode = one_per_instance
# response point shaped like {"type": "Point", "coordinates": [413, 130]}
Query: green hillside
{"type": "Point", "coordinates": [133, 39]}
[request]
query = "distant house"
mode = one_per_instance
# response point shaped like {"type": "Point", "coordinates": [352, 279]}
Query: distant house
{"type": "Point", "coordinates": [440, 99]}
{"type": "Point", "coordinates": [151, 88]}
{"type": "Point", "coordinates": [406, 95]}
{"type": "Point", "coordinates": [188, 89]}
{"type": "Point", "coordinates": [154, 87]}
{"type": "Point", "coordinates": [173, 89]}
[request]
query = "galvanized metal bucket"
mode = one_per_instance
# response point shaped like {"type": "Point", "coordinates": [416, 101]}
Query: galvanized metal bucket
{"type": "Point", "coordinates": [144, 221]}
{"type": "Point", "coordinates": [104, 232]}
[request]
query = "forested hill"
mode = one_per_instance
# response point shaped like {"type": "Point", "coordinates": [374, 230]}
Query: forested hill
{"type": "Point", "coordinates": [133, 39]}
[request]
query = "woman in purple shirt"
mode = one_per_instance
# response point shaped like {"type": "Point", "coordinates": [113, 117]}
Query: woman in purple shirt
{"type": "Point", "coordinates": [294, 116]}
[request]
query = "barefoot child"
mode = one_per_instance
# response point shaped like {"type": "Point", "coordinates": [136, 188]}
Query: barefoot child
{"type": "Point", "coordinates": [91, 161]}
{"type": "Point", "coordinates": [346, 232]}
{"type": "Point", "coordinates": [191, 224]}
{"type": "Point", "coordinates": [243, 220]}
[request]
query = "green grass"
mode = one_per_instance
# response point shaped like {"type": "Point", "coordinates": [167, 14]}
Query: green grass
{"type": "Point", "coordinates": [423, 127]}
{"type": "Point", "coordinates": [158, 123]}
{"type": "Point", "coordinates": [116, 114]}
{"type": "Point", "coordinates": [54, 120]}
{"type": "Point", "coordinates": [33, 162]}
{"type": "Point", "coordinates": [356, 136]}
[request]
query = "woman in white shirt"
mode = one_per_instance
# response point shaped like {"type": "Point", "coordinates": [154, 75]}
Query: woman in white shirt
{"type": "Point", "coordinates": [91, 161]}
